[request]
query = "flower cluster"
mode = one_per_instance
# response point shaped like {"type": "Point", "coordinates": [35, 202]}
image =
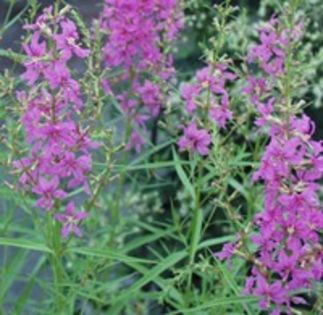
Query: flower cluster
{"type": "Point", "coordinates": [139, 35]}
{"type": "Point", "coordinates": [289, 255]}
{"type": "Point", "coordinates": [206, 96]}
{"type": "Point", "coordinates": [59, 158]}
{"type": "Point", "coordinates": [195, 139]}
{"type": "Point", "coordinates": [270, 53]}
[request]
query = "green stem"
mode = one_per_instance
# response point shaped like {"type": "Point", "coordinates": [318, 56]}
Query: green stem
{"type": "Point", "coordinates": [57, 267]}
{"type": "Point", "coordinates": [115, 211]}
{"type": "Point", "coordinates": [124, 160]}
{"type": "Point", "coordinates": [197, 221]}
{"type": "Point", "coordinates": [196, 231]}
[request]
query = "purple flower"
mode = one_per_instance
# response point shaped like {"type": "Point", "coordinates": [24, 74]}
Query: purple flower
{"type": "Point", "coordinates": [60, 132]}
{"type": "Point", "coordinates": [27, 175]}
{"type": "Point", "coordinates": [35, 65]}
{"type": "Point", "coordinates": [227, 251]}
{"type": "Point", "coordinates": [151, 96]}
{"type": "Point", "coordinates": [71, 220]}
{"type": "Point", "coordinates": [67, 41]}
{"type": "Point", "coordinates": [195, 139]}
{"type": "Point", "coordinates": [59, 76]}
{"type": "Point", "coordinates": [42, 20]}
{"type": "Point", "coordinates": [269, 292]}
{"type": "Point", "coordinates": [49, 191]}
{"type": "Point", "coordinates": [189, 92]}
{"type": "Point", "coordinates": [136, 30]}
{"type": "Point", "coordinates": [265, 110]}
{"type": "Point", "coordinates": [221, 114]}
{"type": "Point", "coordinates": [270, 53]}
{"type": "Point", "coordinates": [257, 88]}
{"type": "Point", "coordinates": [208, 90]}
{"type": "Point", "coordinates": [75, 168]}
{"type": "Point", "coordinates": [136, 142]}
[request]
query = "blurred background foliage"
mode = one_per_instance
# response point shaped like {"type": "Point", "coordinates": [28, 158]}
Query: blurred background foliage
{"type": "Point", "coordinates": [248, 17]}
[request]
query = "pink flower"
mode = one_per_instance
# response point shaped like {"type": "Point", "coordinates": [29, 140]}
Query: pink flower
{"type": "Point", "coordinates": [227, 251]}
{"type": "Point", "coordinates": [136, 142]}
{"type": "Point", "coordinates": [77, 168]}
{"type": "Point", "coordinates": [58, 75]}
{"type": "Point", "coordinates": [257, 88]}
{"type": "Point", "coordinates": [189, 92]}
{"type": "Point", "coordinates": [195, 139]}
{"type": "Point", "coordinates": [27, 175]}
{"type": "Point", "coordinates": [70, 220]}
{"type": "Point", "coordinates": [221, 114]}
{"type": "Point", "coordinates": [265, 110]}
{"type": "Point", "coordinates": [49, 191]}
{"type": "Point", "coordinates": [35, 65]}
{"type": "Point", "coordinates": [209, 91]}
{"type": "Point", "coordinates": [60, 132]}
{"type": "Point", "coordinates": [67, 41]}
{"type": "Point", "coordinates": [42, 20]}
{"type": "Point", "coordinates": [269, 292]}
{"type": "Point", "coordinates": [151, 96]}
{"type": "Point", "coordinates": [136, 29]}
{"type": "Point", "coordinates": [271, 51]}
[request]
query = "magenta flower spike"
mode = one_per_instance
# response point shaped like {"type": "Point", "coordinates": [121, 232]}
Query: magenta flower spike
{"type": "Point", "coordinates": [289, 255]}
{"type": "Point", "coordinates": [59, 147]}
{"type": "Point", "coordinates": [136, 31]}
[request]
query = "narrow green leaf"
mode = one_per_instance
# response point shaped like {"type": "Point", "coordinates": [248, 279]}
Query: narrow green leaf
{"type": "Point", "coordinates": [138, 242]}
{"type": "Point", "coordinates": [24, 297]}
{"type": "Point", "coordinates": [150, 276]}
{"type": "Point", "coordinates": [11, 271]}
{"type": "Point", "coordinates": [216, 241]}
{"type": "Point", "coordinates": [182, 175]}
{"type": "Point", "coordinates": [216, 303]}
{"type": "Point", "coordinates": [173, 293]}
{"type": "Point", "coordinates": [148, 166]}
{"type": "Point", "coordinates": [13, 21]}
{"type": "Point", "coordinates": [239, 187]}
{"type": "Point", "coordinates": [150, 152]}
{"type": "Point", "coordinates": [107, 253]}
{"type": "Point", "coordinates": [32, 245]}
{"type": "Point", "coordinates": [9, 54]}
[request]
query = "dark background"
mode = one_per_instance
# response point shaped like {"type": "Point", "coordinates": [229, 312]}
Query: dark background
{"type": "Point", "coordinates": [10, 40]}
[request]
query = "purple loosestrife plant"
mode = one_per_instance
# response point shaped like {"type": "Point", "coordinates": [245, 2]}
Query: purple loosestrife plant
{"type": "Point", "coordinates": [207, 100]}
{"type": "Point", "coordinates": [205, 112]}
{"type": "Point", "coordinates": [158, 214]}
{"type": "Point", "coordinates": [59, 159]}
{"type": "Point", "coordinates": [289, 252]}
{"type": "Point", "coordinates": [139, 37]}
